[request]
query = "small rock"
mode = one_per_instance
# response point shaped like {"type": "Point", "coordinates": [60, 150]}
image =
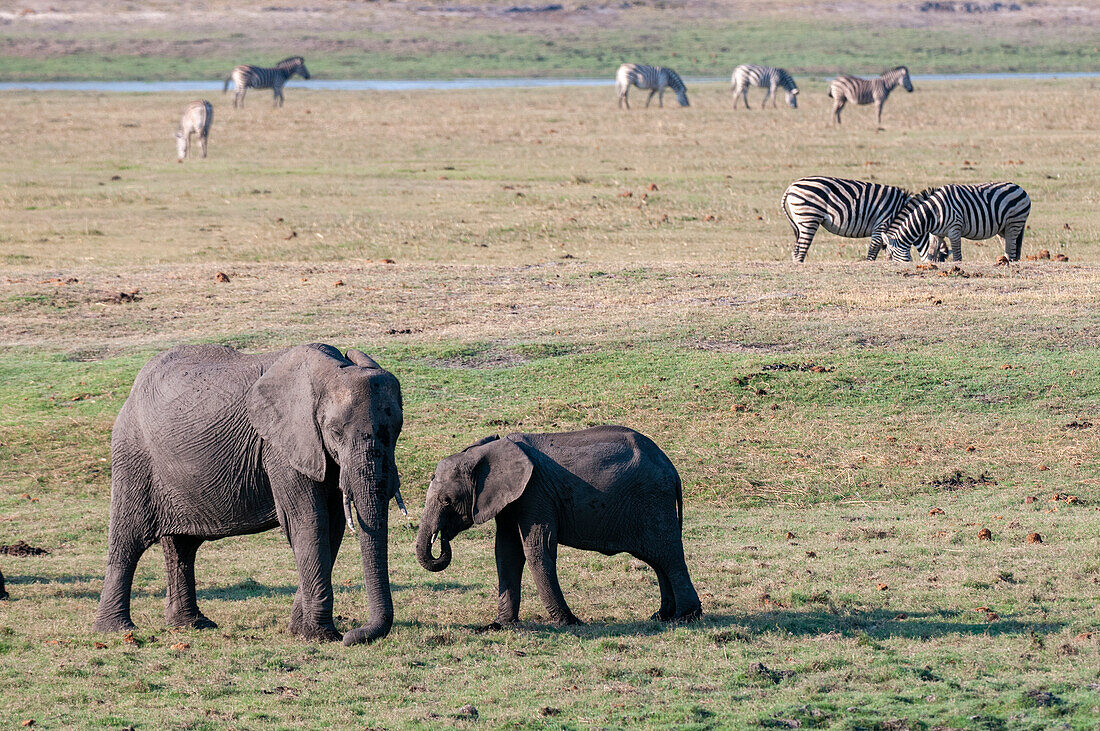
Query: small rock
{"type": "Point", "coordinates": [985, 535]}
{"type": "Point", "coordinates": [546, 711]}
{"type": "Point", "coordinates": [883, 587]}
{"type": "Point", "coordinates": [626, 194]}
{"type": "Point", "coordinates": [710, 217]}
{"type": "Point", "coordinates": [790, 536]}
{"type": "Point", "coordinates": [221, 277]}
{"type": "Point", "coordinates": [1002, 261]}
{"type": "Point", "coordinates": [1061, 257]}
{"type": "Point", "coordinates": [936, 511]}
{"type": "Point", "coordinates": [1034, 538]}
{"type": "Point", "coordinates": [338, 283]}
{"type": "Point", "coordinates": [652, 186]}
{"type": "Point", "coordinates": [468, 711]}
{"type": "Point", "coordinates": [1029, 499]}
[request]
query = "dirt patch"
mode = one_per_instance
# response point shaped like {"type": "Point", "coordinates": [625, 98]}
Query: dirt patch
{"type": "Point", "coordinates": [959, 479]}
{"type": "Point", "coordinates": [801, 367]}
{"type": "Point", "coordinates": [22, 548]}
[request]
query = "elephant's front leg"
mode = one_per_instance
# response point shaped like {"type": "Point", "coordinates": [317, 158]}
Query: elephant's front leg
{"type": "Point", "coordinates": [540, 545]}
{"type": "Point", "coordinates": [510, 560]}
{"type": "Point", "coordinates": [303, 510]}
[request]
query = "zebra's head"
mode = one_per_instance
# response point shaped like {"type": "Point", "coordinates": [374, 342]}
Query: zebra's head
{"type": "Point", "coordinates": [911, 227]}
{"type": "Point", "coordinates": [792, 98]}
{"type": "Point", "coordinates": [682, 97]}
{"type": "Point", "coordinates": [294, 65]}
{"type": "Point", "coordinates": [181, 144]}
{"type": "Point", "coordinates": [905, 80]}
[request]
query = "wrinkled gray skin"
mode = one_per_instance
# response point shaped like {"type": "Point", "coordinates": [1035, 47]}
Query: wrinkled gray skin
{"type": "Point", "coordinates": [214, 443]}
{"type": "Point", "coordinates": [607, 489]}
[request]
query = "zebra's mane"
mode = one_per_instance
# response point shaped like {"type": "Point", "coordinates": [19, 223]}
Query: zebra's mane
{"type": "Point", "coordinates": [674, 80]}
{"type": "Point", "coordinates": [290, 62]}
{"type": "Point", "coordinates": [895, 69]}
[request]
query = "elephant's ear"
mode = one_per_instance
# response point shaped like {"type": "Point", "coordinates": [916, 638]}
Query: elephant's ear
{"type": "Point", "coordinates": [359, 358]}
{"type": "Point", "coordinates": [501, 474]}
{"type": "Point", "coordinates": [282, 406]}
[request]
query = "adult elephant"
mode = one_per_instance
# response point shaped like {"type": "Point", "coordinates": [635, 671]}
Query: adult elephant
{"type": "Point", "coordinates": [214, 443]}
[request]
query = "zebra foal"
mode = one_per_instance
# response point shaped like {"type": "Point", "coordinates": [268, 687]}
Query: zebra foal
{"type": "Point", "coordinates": [196, 119]}
{"type": "Point", "coordinates": [247, 77]}
{"type": "Point", "coordinates": [654, 78]}
{"type": "Point", "coordinates": [844, 89]}
{"type": "Point", "coordinates": [854, 209]}
{"type": "Point", "coordinates": [769, 78]}
{"type": "Point", "coordinates": [974, 212]}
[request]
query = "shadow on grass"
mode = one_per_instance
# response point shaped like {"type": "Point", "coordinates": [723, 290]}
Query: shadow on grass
{"type": "Point", "coordinates": [873, 624]}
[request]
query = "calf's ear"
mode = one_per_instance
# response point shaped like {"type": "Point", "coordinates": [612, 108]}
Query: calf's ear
{"type": "Point", "coordinates": [501, 473]}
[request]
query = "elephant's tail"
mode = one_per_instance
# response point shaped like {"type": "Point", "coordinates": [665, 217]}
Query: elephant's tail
{"type": "Point", "coordinates": [680, 502]}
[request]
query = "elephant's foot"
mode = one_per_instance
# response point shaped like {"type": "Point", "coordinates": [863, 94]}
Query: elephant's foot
{"type": "Point", "coordinates": [692, 615]}
{"type": "Point", "coordinates": [567, 621]}
{"type": "Point", "coordinates": [315, 632]}
{"type": "Point", "coordinates": [3, 594]}
{"type": "Point", "coordinates": [114, 624]}
{"type": "Point", "coordinates": [189, 620]}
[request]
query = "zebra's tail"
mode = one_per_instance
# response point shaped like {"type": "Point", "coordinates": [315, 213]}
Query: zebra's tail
{"type": "Point", "coordinates": [830, 91]}
{"type": "Point", "coordinates": [787, 212]}
{"type": "Point", "coordinates": [225, 86]}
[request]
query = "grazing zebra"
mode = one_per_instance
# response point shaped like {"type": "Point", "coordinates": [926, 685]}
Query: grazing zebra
{"type": "Point", "coordinates": [197, 118]}
{"type": "Point", "coordinates": [956, 212]}
{"type": "Point", "coordinates": [844, 89]}
{"type": "Point", "coordinates": [654, 78]}
{"type": "Point", "coordinates": [851, 208]}
{"type": "Point", "coordinates": [257, 77]}
{"type": "Point", "coordinates": [769, 78]}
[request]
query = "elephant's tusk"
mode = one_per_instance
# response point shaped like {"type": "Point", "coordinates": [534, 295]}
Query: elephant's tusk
{"type": "Point", "coordinates": [347, 510]}
{"type": "Point", "coordinates": [400, 502]}
{"type": "Point", "coordinates": [435, 537]}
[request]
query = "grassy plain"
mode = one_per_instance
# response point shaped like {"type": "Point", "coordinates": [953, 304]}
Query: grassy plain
{"type": "Point", "coordinates": [150, 39]}
{"type": "Point", "coordinates": [526, 293]}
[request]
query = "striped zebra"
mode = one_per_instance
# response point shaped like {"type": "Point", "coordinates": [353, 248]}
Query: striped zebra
{"type": "Point", "coordinates": [257, 77]}
{"type": "Point", "coordinates": [974, 212]}
{"type": "Point", "coordinates": [769, 78]}
{"type": "Point", "coordinates": [844, 89]}
{"type": "Point", "coordinates": [654, 78]}
{"type": "Point", "coordinates": [197, 118]}
{"type": "Point", "coordinates": [854, 209]}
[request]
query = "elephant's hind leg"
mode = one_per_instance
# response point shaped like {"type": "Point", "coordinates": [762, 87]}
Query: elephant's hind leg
{"type": "Point", "coordinates": [668, 598]}
{"type": "Point", "coordinates": [126, 548]}
{"type": "Point", "coordinates": [181, 608]}
{"type": "Point", "coordinates": [688, 607]}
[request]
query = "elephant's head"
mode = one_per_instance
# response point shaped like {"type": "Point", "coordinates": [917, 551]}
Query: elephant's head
{"type": "Point", "coordinates": [321, 410]}
{"type": "Point", "coordinates": [467, 488]}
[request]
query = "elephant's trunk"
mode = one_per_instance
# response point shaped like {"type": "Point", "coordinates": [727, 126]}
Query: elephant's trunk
{"type": "Point", "coordinates": [425, 537]}
{"type": "Point", "coordinates": [371, 480]}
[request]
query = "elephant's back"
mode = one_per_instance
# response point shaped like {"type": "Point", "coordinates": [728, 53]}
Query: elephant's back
{"type": "Point", "coordinates": [609, 458]}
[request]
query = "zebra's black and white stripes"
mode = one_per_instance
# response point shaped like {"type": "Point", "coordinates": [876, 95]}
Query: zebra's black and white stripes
{"type": "Point", "coordinates": [851, 208]}
{"type": "Point", "coordinates": [769, 77]}
{"type": "Point", "coordinates": [956, 212]}
{"type": "Point", "coordinates": [844, 89]}
{"type": "Point", "coordinates": [196, 119]}
{"type": "Point", "coordinates": [258, 77]}
{"type": "Point", "coordinates": [654, 78]}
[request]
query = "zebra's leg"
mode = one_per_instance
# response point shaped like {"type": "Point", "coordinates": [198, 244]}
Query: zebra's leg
{"type": "Point", "coordinates": [736, 96]}
{"type": "Point", "coordinates": [875, 246]}
{"type": "Point", "coordinates": [804, 236]}
{"type": "Point", "coordinates": [838, 104]}
{"type": "Point", "coordinates": [1014, 242]}
{"type": "Point", "coordinates": [202, 145]}
{"type": "Point", "coordinates": [238, 98]}
{"type": "Point", "coordinates": [764, 101]}
{"type": "Point", "coordinates": [650, 97]}
{"type": "Point", "coordinates": [956, 246]}
{"type": "Point", "coordinates": [878, 110]}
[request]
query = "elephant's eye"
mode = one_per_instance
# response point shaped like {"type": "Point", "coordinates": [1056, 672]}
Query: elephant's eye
{"type": "Point", "coordinates": [445, 500]}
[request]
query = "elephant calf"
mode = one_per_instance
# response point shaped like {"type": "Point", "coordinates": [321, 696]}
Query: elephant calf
{"type": "Point", "coordinates": [214, 443]}
{"type": "Point", "coordinates": [607, 489]}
